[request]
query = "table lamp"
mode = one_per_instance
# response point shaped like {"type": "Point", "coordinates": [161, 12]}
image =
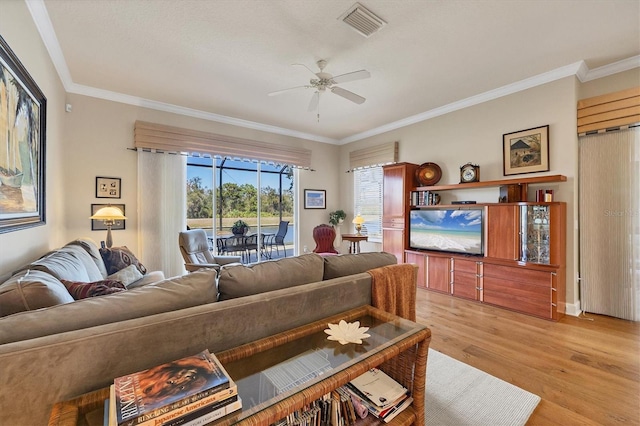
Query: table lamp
{"type": "Point", "coordinates": [358, 221]}
{"type": "Point", "coordinates": [109, 215]}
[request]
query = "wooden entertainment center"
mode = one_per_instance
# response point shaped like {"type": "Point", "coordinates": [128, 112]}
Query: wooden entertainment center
{"type": "Point", "coordinates": [522, 267]}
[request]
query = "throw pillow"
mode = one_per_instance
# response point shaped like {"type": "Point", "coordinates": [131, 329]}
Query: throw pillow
{"type": "Point", "coordinates": [126, 276]}
{"type": "Point", "coordinates": [80, 290]}
{"type": "Point", "coordinates": [117, 258]}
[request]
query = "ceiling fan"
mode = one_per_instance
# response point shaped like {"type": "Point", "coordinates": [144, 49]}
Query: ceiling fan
{"type": "Point", "coordinates": [325, 81]}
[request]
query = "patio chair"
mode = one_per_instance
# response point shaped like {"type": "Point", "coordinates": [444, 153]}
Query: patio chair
{"type": "Point", "coordinates": [194, 248]}
{"type": "Point", "coordinates": [277, 239]}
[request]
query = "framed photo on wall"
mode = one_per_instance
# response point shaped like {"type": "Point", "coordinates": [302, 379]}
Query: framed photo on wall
{"type": "Point", "coordinates": [23, 134]}
{"type": "Point", "coordinates": [526, 151]}
{"type": "Point", "coordinates": [315, 199]}
{"type": "Point", "coordinates": [98, 225]}
{"type": "Point", "coordinates": [107, 187]}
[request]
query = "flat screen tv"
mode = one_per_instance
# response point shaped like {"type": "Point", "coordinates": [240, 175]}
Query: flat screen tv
{"type": "Point", "coordinates": [456, 230]}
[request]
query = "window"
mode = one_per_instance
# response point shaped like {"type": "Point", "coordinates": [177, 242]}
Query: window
{"type": "Point", "coordinates": [367, 190]}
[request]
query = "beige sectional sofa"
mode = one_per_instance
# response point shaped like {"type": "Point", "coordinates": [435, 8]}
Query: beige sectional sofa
{"type": "Point", "coordinates": [39, 284]}
{"type": "Point", "coordinates": [64, 351]}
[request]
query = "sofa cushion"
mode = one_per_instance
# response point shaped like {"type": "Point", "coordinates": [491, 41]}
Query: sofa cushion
{"type": "Point", "coordinates": [173, 294]}
{"type": "Point", "coordinates": [238, 281]}
{"type": "Point", "coordinates": [117, 258]}
{"type": "Point", "coordinates": [65, 265]}
{"type": "Point", "coordinates": [29, 290]}
{"type": "Point", "coordinates": [348, 264]}
{"type": "Point", "coordinates": [81, 255]}
{"type": "Point", "coordinates": [127, 276]}
{"type": "Point", "coordinates": [80, 290]}
{"type": "Point", "coordinates": [91, 248]}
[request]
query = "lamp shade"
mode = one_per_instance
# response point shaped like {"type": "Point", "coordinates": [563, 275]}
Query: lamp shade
{"type": "Point", "coordinates": [108, 213]}
{"type": "Point", "coordinates": [358, 220]}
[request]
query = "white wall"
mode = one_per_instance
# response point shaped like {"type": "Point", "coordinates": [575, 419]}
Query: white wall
{"type": "Point", "coordinates": [18, 30]}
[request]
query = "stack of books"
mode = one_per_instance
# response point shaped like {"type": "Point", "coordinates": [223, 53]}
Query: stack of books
{"type": "Point", "coordinates": [381, 395]}
{"type": "Point", "coordinates": [190, 391]}
{"type": "Point", "coordinates": [373, 393]}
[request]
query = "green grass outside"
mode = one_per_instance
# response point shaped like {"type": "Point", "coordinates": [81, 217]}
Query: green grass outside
{"type": "Point", "coordinates": [227, 223]}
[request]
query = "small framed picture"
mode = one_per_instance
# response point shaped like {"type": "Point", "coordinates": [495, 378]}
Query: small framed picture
{"type": "Point", "coordinates": [98, 225]}
{"type": "Point", "coordinates": [315, 199]}
{"type": "Point", "coordinates": [526, 151]}
{"type": "Point", "coordinates": [107, 187]}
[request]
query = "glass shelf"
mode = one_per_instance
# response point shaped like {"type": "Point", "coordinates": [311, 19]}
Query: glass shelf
{"type": "Point", "coordinates": [535, 234]}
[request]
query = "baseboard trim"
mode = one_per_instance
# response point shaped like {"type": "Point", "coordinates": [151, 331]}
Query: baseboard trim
{"type": "Point", "coordinates": [573, 309]}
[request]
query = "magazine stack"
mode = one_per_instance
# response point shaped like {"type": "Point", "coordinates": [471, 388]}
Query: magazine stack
{"type": "Point", "coordinates": [371, 394]}
{"type": "Point", "coordinates": [191, 391]}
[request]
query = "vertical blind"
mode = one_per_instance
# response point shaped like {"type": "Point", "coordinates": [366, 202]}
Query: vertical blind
{"type": "Point", "coordinates": [609, 216]}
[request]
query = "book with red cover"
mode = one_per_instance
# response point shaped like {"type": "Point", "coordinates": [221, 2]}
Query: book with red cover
{"type": "Point", "coordinates": [158, 390]}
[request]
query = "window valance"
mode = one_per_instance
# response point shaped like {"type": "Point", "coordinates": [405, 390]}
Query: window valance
{"type": "Point", "coordinates": [175, 139]}
{"type": "Point", "coordinates": [608, 111]}
{"type": "Point", "coordinates": [378, 155]}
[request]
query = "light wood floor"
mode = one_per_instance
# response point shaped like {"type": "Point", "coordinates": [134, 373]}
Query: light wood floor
{"type": "Point", "coordinates": [586, 370]}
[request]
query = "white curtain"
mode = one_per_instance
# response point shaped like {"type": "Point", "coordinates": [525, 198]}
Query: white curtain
{"type": "Point", "coordinates": [162, 210]}
{"type": "Point", "coordinates": [609, 176]}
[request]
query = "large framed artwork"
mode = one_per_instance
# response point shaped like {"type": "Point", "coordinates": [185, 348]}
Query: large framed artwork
{"type": "Point", "coordinates": [23, 109]}
{"type": "Point", "coordinates": [526, 151]}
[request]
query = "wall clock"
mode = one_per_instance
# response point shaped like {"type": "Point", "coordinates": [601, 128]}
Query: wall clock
{"type": "Point", "coordinates": [469, 173]}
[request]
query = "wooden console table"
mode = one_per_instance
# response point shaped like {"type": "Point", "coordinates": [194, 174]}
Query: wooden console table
{"type": "Point", "coordinates": [354, 241]}
{"type": "Point", "coordinates": [397, 346]}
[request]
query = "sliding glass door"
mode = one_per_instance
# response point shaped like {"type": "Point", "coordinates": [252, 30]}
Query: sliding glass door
{"type": "Point", "coordinates": [221, 192]}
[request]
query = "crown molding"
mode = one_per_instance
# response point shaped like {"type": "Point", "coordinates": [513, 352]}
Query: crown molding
{"type": "Point", "coordinates": [579, 69]}
{"type": "Point", "coordinates": [614, 68]}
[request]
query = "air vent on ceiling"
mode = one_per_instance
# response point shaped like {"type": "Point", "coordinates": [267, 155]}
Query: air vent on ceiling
{"type": "Point", "coordinates": [362, 20]}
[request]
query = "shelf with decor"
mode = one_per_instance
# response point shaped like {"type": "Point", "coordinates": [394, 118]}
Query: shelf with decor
{"type": "Point", "coordinates": [523, 182]}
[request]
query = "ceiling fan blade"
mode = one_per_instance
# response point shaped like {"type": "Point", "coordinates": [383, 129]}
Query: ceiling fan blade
{"type": "Point", "coordinates": [351, 76]}
{"type": "Point", "coordinates": [348, 95]}
{"type": "Point", "coordinates": [315, 99]}
{"type": "Point", "coordinates": [278, 92]}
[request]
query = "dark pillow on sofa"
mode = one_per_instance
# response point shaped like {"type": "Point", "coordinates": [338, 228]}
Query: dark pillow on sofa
{"type": "Point", "coordinates": [117, 258]}
{"type": "Point", "coordinates": [80, 290]}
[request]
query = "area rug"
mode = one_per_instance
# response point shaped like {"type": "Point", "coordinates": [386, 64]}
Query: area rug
{"type": "Point", "coordinates": [458, 394]}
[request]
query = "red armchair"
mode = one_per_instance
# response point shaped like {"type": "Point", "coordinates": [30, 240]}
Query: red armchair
{"type": "Point", "coordinates": [324, 235]}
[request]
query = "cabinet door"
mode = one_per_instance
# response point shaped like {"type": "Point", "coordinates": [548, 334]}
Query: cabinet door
{"type": "Point", "coordinates": [438, 273]}
{"type": "Point", "coordinates": [502, 240]}
{"type": "Point", "coordinates": [420, 260]}
{"type": "Point", "coordinates": [524, 290]}
{"type": "Point", "coordinates": [394, 191]}
{"type": "Point", "coordinates": [393, 242]}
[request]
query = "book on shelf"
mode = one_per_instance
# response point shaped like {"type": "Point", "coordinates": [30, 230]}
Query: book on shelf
{"type": "Point", "coordinates": [378, 387]}
{"type": "Point", "coordinates": [157, 391]}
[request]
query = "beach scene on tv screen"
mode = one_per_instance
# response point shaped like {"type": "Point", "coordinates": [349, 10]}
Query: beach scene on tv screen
{"type": "Point", "coordinates": [447, 230]}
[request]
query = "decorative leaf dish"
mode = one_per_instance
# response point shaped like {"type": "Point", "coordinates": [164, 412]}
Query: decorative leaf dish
{"type": "Point", "coordinates": [347, 332]}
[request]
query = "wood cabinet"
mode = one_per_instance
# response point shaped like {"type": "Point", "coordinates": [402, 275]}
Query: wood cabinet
{"type": "Point", "coordinates": [397, 181]}
{"type": "Point", "coordinates": [523, 265]}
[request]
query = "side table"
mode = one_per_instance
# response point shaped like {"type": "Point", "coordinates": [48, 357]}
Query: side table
{"type": "Point", "coordinates": [354, 241]}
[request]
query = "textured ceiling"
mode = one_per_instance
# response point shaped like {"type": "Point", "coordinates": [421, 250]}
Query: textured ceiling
{"type": "Point", "coordinates": [222, 57]}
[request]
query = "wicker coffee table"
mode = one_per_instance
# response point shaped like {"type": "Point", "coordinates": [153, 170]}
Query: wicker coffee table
{"type": "Point", "coordinates": [285, 372]}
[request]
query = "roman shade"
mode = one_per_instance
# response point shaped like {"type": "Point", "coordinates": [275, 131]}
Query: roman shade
{"type": "Point", "coordinates": [609, 111]}
{"type": "Point", "coordinates": [159, 137]}
{"type": "Point", "coordinates": [378, 155]}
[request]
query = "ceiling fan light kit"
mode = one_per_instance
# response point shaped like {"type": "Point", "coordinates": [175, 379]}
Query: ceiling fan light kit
{"type": "Point", "coordinates": [324, 81]}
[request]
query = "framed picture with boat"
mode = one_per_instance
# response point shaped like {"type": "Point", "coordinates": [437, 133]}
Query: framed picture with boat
{"type": "Point", "coordinates": [23, 109]}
